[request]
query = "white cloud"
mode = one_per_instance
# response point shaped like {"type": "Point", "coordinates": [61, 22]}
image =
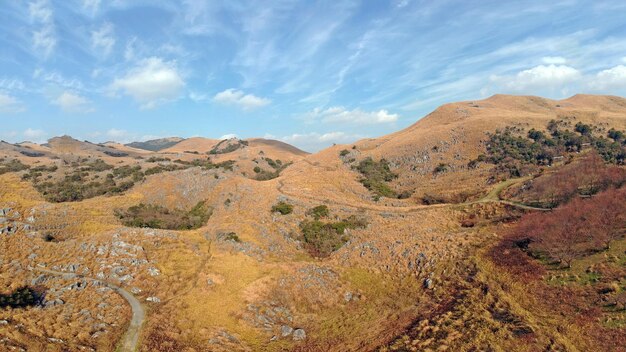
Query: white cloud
{"type": "Point", "coordinates": [34, 135]}
{"type": "Point", "coordinates": [40, 11]}
{"type": "Point", "coordinates": [356, 116]}
{"type": "Point", "coordinates": [73, 103]}
{"type": "Point", "coordinates": [103, 39]}
{"type": "Point", "coordinates": [541, 80]}
{"type": "Point", "coordinates": [613, 78]}
{"type": "Point", "coordinates": [129, 51]}
{"type": "Point", "coordinates": [314, 141]}
{"type": "Point", "coordinates": [151, 83]}
{"type": "Point", "coordinates": [10, 104]}
{"type": "Point", "coordinates": [554, 60]}
{"type": "Point", "coordinates": [12, 84]}
{"type": "Point", "coordinates": [197, 97]}
{"type": "Point", "coordinates": [236, 97]}
{"type": "Point", "coordinates": [402, 3]}
{"type": "Point", "coordinates": [44, 39]}
{"type": "Point", "coordinates": [117, 134]}
{"type": "Point", "coordinates": [8, 135]}
{"type": "Point", "coordinates": [228, 136]}
{"type": "Point", "coordinates": [91, 6]}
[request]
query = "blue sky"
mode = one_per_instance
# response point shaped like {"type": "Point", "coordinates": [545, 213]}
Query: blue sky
{"type": "Point", "coordinates": [309, 73]}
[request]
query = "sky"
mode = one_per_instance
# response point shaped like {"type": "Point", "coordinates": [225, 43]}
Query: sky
{"type": "Point", "coordinates": [310, 73]}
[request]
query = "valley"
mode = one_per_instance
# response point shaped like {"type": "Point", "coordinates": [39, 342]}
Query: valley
{"type": "Point", "coordinates": [437, 237]}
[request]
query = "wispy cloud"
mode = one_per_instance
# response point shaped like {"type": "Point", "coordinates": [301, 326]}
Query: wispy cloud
{"type": "Point", "coordinates": [10, 104]}
{"type": "Point", "coordinates": [91, 6]}
{"type": "Point", "coordinates": [44, 38]}
{"type": "Point", "coordinates": [103, 39]}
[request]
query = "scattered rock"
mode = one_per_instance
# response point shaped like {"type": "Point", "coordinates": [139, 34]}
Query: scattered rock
{"type": "Point", "coordinates": [285, 330]}
{"type": "Point", "coordinates": [428, 284]}
{"type": "Point", "coordinates": [299, 335]}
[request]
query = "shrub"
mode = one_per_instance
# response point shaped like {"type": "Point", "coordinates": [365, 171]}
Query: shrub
{"type": "Point", "coordinates": [405, 195]}
{"type": "Point", "coordinates": [344, 152]}
{"type": "Point", "coordinates": [537, 148]}
{"type": "Point", "coordinates": [576, 229]}
{"type": "Point", "coordinates": [229, 236]}
{"type": "Point", "coordinates": [231, 147]}
{"type": "Point", "coordinates": [318, 212]}
{"type": "Point", "coordinates": [159, 217]}
{"type": "Point", "coordinates": [282, 207]}
{"type": "Point", "coordinates": [22, 297]}
{"type": "Point", "coordinates": [277, 165]}
{"type": "Point", "coordinates": [13, 166]}
{"type": "Point", "coordinates": [257, 169]}
{"type": "Point", "coordinates": [375, 175]}
{"type": "Point", "coordinates": [429, 199]}
{"type": "Point", "coordinates": [441, 168]}
{"type": "Point", "coordinates": [617, 136]}
{"type": "Point", "coordinates": [586, 176]}
{"type": "Point", "coordinates": [323, 238]}
{"type": "Point", "coordinates": [154, 159]}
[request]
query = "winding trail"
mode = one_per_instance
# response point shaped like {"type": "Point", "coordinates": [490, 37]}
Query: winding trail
{"type": "Point", "coordinates": [129, 341]}
{"type": "Point", "coordinates": [492, 197]}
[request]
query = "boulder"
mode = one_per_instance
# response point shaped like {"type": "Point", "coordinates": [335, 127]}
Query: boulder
{"type": "Point", "coordinates": [299, 335]}
{"type": "Point", "coordinates": [285, 330]}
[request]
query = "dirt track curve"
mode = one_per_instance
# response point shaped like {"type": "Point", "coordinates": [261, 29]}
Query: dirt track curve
{"type": "Point", "coordinates": [129, 341]}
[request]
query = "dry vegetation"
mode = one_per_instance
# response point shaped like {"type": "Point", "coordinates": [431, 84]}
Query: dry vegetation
{"type": "Point", "coordinates": [410, 242]}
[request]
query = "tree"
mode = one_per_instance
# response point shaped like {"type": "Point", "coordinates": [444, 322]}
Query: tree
{"type": "Point", "coordinates": [608, 216]}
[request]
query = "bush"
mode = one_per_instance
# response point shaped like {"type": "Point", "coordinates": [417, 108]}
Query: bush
{"type": "Point", "coordinates": [159, 217]}
{"type": "Point", "coordinates": [441, 168]}
{"type": "Point", "coordinates": [323, 238]}
{"type": "Point", "coordinates": [229, 236]}
{"type": "Point", "coordinates": [585, 176]}
{"type": "Point", "coordinates": [12, 166]}
{"type": "Point", "coordinates": [375, 175]}
{"type": "Point", "coordinates": [318, 212]}
{"type": "Point", "coordinates": [576, 229]}
{"type": "Point", "coordinates": [282, 207]}
{"type": "Point", "coordinates": [344, 152]}
{"type": "Point", "coordinates": [20, 298]}
{"type": "Point", "coordinates": [537, 148]}
{"type": "Point", "coordinates": [277, 165]}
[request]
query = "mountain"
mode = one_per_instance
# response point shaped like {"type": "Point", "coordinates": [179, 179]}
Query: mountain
{"type": "Point", "coordinates": [255, 245]}
{"type": "Point", "coordinates": [156, 145]}
{"type": "Point", "coordinates": [455, 133]}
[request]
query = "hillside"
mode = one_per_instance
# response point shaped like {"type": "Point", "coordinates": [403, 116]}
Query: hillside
{"type": "Point", "coordinates": [155, 145]}
{"type": "Point", "coordinates": [454, 134]}
{"type": "Point", "coordinates": [255, 245]}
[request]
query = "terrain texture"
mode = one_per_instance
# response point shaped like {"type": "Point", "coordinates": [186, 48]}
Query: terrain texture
{"type": "Point", "coordinates": [462, 232]}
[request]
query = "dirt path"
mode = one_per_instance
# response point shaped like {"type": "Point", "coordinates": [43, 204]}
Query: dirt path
{"type": "Point", "coordinates": [492, 197]}
{"type": "Point", "coordinates": [128, 343]}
